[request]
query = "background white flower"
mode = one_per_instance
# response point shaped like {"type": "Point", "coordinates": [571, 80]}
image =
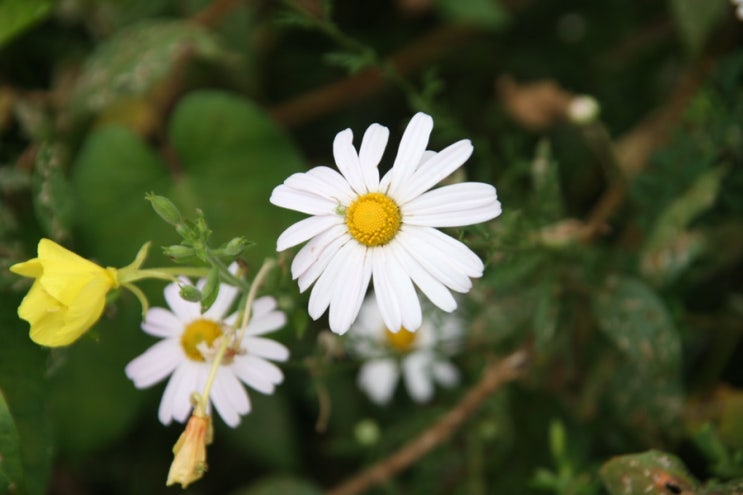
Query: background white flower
{"type": "Point", "coordinates": [189, 339]}
{"type": "Point", "coordinates": [420, 357]}
{"type": "Point", "coordinates": [363, 228]}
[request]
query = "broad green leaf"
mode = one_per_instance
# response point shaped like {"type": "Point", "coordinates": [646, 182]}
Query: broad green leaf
{"type": "Point", "coordinates": [227, 156]}
{"type": "Point", "coordinates": [18, 15]}
{"type": "Point", "coordinates": [22, 369]}
{"type": "Point", "coordinates": [637, 322]}
{"type": "Point", "coordinates": [266, 435]}
{"type": "Point", "coordinates": [91, 401]}
{"type": "Point", "coordinates": [648, 473]}
{"type": "Point", "coordinates": [696, 19]}
{"type": "Point", "coordinates": [11, 470]}
{"type": "Point", "coordinates": [131, 65]}
{"type": "Point", "coordinates": [671, 247]}
{"type": "Point", "coordinates": [284, 485]}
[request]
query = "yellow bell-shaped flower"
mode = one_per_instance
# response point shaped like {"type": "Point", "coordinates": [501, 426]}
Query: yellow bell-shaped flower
{"type": "Point", "coordinates": [68, 294]}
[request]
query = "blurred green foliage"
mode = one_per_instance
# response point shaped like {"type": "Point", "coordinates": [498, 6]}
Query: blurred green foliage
{"type": "Point", "coordinates": [617, 263]}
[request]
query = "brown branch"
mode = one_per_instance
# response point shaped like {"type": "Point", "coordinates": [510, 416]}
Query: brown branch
{"type": "Point", "coordinates": [494, 376]}
{"type": "Point", "coordinates": [419, 54]}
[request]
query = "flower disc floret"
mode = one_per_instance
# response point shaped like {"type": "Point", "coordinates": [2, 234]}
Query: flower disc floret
{"type": "Point", "coordinates": [196, 332]}
{"type": "Point", "coordinates": [373, 219]}
{"type": "Point", "coordinates": [402, 340]}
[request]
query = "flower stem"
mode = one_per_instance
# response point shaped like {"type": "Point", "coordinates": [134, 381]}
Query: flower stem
{"type": "Point", "coordinates": [225, 274]}
{"type": "Point", "coordinates": [225, 344]}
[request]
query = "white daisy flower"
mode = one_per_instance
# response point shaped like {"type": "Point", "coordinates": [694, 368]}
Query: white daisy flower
{"type": "Point", "coordinates": [420, 356]}
{"type": "Point", "coordinates": [363, 228]}
{"type": "Point", "coordinates": [189, 342]}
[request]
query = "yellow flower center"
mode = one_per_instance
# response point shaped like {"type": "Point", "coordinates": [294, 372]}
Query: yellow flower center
{"type": "Point", "coordinates": [402, 340]}
{"type": "Point", "coordinates": [199, 331]}
{"type": "Point", "coordinates": [373, 219]}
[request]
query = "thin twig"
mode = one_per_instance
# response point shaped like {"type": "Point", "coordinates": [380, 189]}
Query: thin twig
{"type": "Point", "coordinates": [494, 376]}
{"type": "Point", "coordinates": [419, 54]}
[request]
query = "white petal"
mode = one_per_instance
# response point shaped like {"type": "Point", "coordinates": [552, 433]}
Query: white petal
{"type": "Point", "coordinates": [302, 201]}
{"type": "Point", "coordinates": [349, 292]}
{"type": "Point", "coordinates": [370, 154]}
{"type": "Point", "coordinates": [432, 287]}
{"type": "Point", "coordinates": [155, 363]}
{"type": "Point", "coordinates": [378, 379]}
{"type": "Point", "coordinates": [162, 323]}
{"type": "Point", "coordinates": [396, 295]}
{"type": "Point", "coordinates": [462, 197]}
{"type": "Point", "coordinates": [266, 323]}
{"type": "Point", "coordinates": [311, 251]}
{"type": "Point", "coordinates": [433, 260]}
{"type": "Point", "coordinates": [306, 229]}
{"type": "Point", "coordinates": [460, 255]}
{"type": "Point", "coordinates": [415, 373]}
{"type": "Point", "coordinates": [260, 367]}
{"type": "Point", "coordinates": [263, 305]}
{"type": "Point", "coordinates": [434, 170]}
{"type": "Point", "coordinates": [333, 275]}
{"type": "Point", "coordinates": [185, 311]}
{"type": "Point", "coordinates": [341, 188]}
{"type": "Point", "coordinates": [223, 302]}
{"type": "Point", "coordinates": [412, 146]}
{"type": "Point", "coordinates": [266, 348]}
{"type": "Point", "coordinates": [252, 376]}
{"type": "Point", "coordinates": [445, 373]}
{"type": "Point", "coordinates": [324, 182]}
{"type": "Point", "coordinates": [229, 397]}
{"type": "Point", "coordinates": [176, 401]}
{"type": "Point", "coordinates": [347, 160]}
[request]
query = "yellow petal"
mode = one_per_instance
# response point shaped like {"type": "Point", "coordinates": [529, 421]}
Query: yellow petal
{"type": "Point", "coordinates": [31, 268]}
{"type": "Point", "coordinates": [46, 316]}
{"type": "Point", "coordinates": [66, 273]}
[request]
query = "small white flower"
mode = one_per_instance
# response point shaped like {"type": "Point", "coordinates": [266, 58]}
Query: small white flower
{"type": "Point", "coordinates": [420, 357]}
{"type": "Point", "coordinates": [189, 342]}
{"type": "Point", "coordinates": [364, 229]}
{"type": "Point", "coordinates": [583, 109]}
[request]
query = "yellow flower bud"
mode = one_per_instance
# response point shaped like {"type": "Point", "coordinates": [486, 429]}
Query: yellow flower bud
{"type": "Point", "coordinates": [68, 294]}
{"type": "Point", "coordinates": [189, 461]}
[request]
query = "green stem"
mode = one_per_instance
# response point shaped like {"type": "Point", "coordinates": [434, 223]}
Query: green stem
{"type": "Point", "coordinates": [268, 264]}
{"type": "Point", "coordinates": [225, 274]}
{"type": "Point", "coordinates": [225, 344]}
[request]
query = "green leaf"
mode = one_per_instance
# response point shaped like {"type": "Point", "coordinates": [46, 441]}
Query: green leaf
{"type": "Point", "coordinates": [696, 20]}
{"type": "Point", "coordinates": [649, 473]}
{"type": "Point", "coordinates": [269, 418]}
{"type": "Point", "coordinates": [19, 15]}
{"type": "Point", "coordinates": [91, 401]}
{"type": "Point", "coordinates": [11, 470]}
{"type": "Point", "coordinates": [637, 322]}
{"type": "Point", "coordinates": [671, 248]}
{"type": "Point", "coordinates": [283, 485]}
{"type": "Point", "coordinates": [227, 156]}
{"type": "Point", "coordinates": [22, 369]}
{"type": "Point", "coordinates": [53, 200]}
{"type": "Point", "coordinates": [136, 61]}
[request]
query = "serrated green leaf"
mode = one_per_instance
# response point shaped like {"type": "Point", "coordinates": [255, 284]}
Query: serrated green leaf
{"type": "Point", "coordinates": [136, 60]}
{"type": "Point", "coordinates": [53, 201]}
{"type": "Point", "coordinates": [22, 368]}
{"type": "Point", "coordinates": [19, 15]}
{"type": "Point", "coordinates": [11, 470]}
{"type": "Point", "coordinates": [284, 485]}
{"type": "Point", "coordinates": [227, 158]}
{"type": "Point", "coordinates": [651, 473]}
